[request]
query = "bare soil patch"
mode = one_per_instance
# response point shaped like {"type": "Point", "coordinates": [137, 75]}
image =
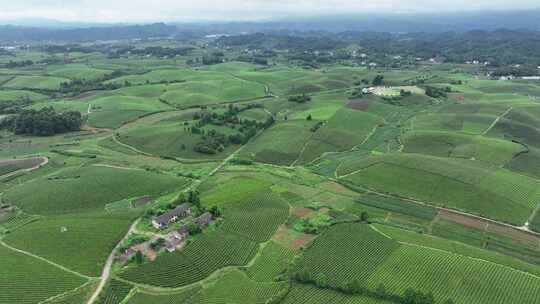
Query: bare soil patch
{"type": "Point", "coordinates": [463, 220]}
{"type": "Point", "coordinates": [301, 212]}
{"type": "Point", "coordinates": [515, 234]}
{"type": "Point", "coordinates": [146, 250]}
{"type": "Point", "coordinates": [493, 227]}
{"type": "Point", "coordinates": [291, 239]}
{"type": "Point", "coordinates": [141, 201]}
{"type": "Point", "coordinates": [359, 104]}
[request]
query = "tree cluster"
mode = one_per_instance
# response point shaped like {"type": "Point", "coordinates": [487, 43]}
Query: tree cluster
{"type": "Point", "coordinates": [44, 122]}
{"type": "Point", "coordinates": [435, 92]}
{"type": "Point", "coordinates": [213, 141]}
{"type": "Point", "coordinates": [354, 287]}
{"type": "Point", "coordinates": [303, 98]}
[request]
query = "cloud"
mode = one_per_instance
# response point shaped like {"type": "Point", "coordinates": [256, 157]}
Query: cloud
{"type": "Point", "coordinates": [189, 10]}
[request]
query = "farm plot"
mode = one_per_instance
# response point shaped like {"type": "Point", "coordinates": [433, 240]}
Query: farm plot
{"type": "Point", "coordinates": [219, 90]}
{"type": "Point", "coordinates": [459, 246]}
{"type": "Point", "coordinates": [449, 144]}
{"type": "Point", "coordinates": [46, 83]}
{"type": "Point", "coordinates": [21, 95]}
{"type": "Point", "coordinates": [345, 130]}
{"type": "Point", "coordinates": [256, 219]}
{"type": "Point", "coordinates": [467, 123]}
{"type": "Point", "coordinates": [174, 298]}
{"type": "Point", "coordinates": [77, 71]}
{"type": "Point", "coordinates": [332, 255]}
{"type": "Point", "coordinates": [272, 261]}
{"type": "Point", "coordinates": [27, 280]}
{"type": "Point", "coordinates": [208, 253]}
{"type": "Point", "coordinates": [87, 189]}
{"type": "Point", "coordinates": [281, 144]}
{"type": "Point", "coordinates": [460, 184]}
{"type": "Point", "coordinates": [451, 276]}
{"type": "Point", "coordinates": [235, 287]}
{"type": "Point", "coordinates": [11, 165]}
{"type": "Point", "coordinates": [115, 292]}
{"type": "Point", "coordinates": [236, 189]}
{"type": "Point", "coordinates": [304, 294]}
{"type": "Point", "coordinates": [79, 242]}
{"type": "Point", "coordinates": [512, 129]}
{"type": "Point", "coordinates": [172, 139]}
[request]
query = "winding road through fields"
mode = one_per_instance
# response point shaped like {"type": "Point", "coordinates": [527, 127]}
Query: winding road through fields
{"type": "Point", "coordinates": [108, 265]}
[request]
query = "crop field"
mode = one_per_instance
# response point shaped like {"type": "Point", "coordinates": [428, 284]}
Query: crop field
{"type": "Point", "coordinates": [171, 298]}
{"type": "Point", "coordinates": [303, 294]}
{"type": "Point", "coordinates": [236, 287]}
{"type": "Point", "coordinates": [464, 280]}
{"type": "Point", "coordinates": [88, 189]}
{"type": "Point", "coordinates": [256, 219]}
{"type": "Point", "coordinates": [401, 266]}
{"type": "Point", "coordinates": [345, 130]}
{"type": "Point", "coordinates": [330, 254]}
{"type": "Point", "coordinates": [461, 184]}
{"type": "Point", "coordinates": [170, 138]}
{"type": "Point", "coordinates": [20, 95]}
{"type": "Point", "coordinates": [273, 260]}
{"type": "Point", "coordinates": [28, 280]}
{"type": "Point", "coordinates": [45, 83]}
{"type": "Point", "coordinates": [115, 292]}
{"type": "Point", "coordinates": [282, 144]}
{"type": "Point", "coordinates": [62, 236]}
{"type": "Point", "coordinates": [77, 71]}
{"type": "Point", "coordinates": [455, 145]}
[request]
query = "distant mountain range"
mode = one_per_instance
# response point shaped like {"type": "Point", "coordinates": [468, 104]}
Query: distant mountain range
{"type": "Point", "coordinates": [43, 29]}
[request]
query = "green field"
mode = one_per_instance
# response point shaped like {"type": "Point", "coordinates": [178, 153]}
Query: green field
{"type": "Point", "coordinates": [401, 266]}
{"type": "Point", "coordinates": [460, 184]}
{"type": "Point", "coordinates": [63, 235]}
{"type": "Point", "coordinates": [35, 83]}
{"type": "Point", "coordinates": [88, 189]}
{"type": "Point", "coordinates": [28, 280]}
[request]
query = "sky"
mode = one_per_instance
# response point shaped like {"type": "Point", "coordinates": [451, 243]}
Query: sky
{"type": "Point", "coordinates": [110, 11]}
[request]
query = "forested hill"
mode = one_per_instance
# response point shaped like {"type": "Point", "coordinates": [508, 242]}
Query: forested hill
{"type": "Point", "coordinates": [19, 33]}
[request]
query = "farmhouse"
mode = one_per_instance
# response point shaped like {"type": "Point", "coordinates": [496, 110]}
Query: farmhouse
{"type": "Point", "coordinates": [203, 220]}
{"type": "Point", "coordinates": [165, 219]}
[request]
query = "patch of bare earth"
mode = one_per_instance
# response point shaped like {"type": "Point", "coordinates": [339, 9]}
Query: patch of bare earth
{"type": "Point", "coordinates": [291, 239]}
{"type": "Point", "coordinates": [489, 226]}
{"type": "Point", "coordinates": [301, 240]}
{"type": "Point", "coordinates": [463, 220]}
{"type": "Point", "coordinates": [301, 212]}
{"type": "Point", "coordinates": [359, 104]}
{"type": "Point", "coordinates": [146, 250]}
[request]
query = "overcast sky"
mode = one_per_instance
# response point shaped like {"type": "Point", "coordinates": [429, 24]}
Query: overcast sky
{"type": "Point", "coordinates": [190, 10]}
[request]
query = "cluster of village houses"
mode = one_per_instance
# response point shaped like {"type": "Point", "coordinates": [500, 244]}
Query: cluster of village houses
{"type": "Point", "coordinates": [173, 240]}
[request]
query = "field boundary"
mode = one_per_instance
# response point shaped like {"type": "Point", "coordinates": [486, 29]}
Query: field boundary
{"type": "Point", "coordinates": [45, 260]}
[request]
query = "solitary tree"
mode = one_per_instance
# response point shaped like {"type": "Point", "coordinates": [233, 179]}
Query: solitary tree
{"type": "Point", "coordinates": [364, 216]}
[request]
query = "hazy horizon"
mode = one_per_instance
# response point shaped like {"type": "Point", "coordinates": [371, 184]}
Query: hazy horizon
{"type": "Point", "coordinates": [132, 11]}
